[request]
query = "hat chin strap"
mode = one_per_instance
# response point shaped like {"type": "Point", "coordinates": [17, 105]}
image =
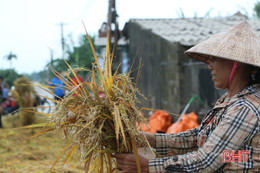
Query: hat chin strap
{"type": "Point", "coordinates": [232, 74]}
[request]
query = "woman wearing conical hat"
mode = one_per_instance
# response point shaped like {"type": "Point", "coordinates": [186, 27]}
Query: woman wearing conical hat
{"type": "Point", "coordinates": [228, 139]}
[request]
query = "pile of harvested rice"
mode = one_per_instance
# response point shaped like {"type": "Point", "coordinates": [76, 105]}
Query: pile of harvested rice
{"type": "Point", "coordinates": [99, 116]}
{"type": "Point", "coordinates": [24, 95]}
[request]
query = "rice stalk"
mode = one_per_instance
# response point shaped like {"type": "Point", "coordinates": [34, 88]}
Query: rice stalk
{"type": "Point", "coordinates": [98, 126]}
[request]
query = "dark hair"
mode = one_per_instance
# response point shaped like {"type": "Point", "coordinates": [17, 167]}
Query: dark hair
{"type": "Point", "coordinates": [1, 77]}
{"type": "Point", "coordinates": [255, 74]}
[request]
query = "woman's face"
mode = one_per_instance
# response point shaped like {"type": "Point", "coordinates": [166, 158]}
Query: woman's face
{"type": "Point", "coordinates": [220, 71]}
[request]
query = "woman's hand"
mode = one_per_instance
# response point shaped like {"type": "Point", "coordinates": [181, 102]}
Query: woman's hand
{"type": "Point", "coordinates": [126, 163]}
{"type": "Point", "coordinates": [150, 137]}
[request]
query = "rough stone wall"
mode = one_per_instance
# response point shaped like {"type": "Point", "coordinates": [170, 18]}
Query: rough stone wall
{"type": "Point", "coordinates": [140, 47]}
{"type": "Point", "coordinates": [168, 78]}
{"type": "Point", "coordinates": [189, 79]}
{"type": "Point", "coordinates": [158, 81]}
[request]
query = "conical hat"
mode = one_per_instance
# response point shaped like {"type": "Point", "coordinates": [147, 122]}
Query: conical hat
{"type": "Point", "coordinates": [241, 43]}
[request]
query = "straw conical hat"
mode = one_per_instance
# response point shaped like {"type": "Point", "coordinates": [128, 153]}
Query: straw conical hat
{"type": "Point", "coordinates": [241, 43]}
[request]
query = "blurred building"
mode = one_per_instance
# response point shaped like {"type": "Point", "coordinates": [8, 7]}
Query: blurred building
{"type": "Point", "coordinates": [121, 47]}
{"type": "Point", "coordinates": [169, 78]}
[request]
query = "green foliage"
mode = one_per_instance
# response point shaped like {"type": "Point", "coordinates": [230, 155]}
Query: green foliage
{"type": "Point", "coordinates": [41, 76]}
{"type": "Point", "coordinates": [80, 56]}
{"type": "Point", "coordinates": [9, 75]}
{"type": "Point", "coordinates": [59, 65]}
{"type": "Point", "coordinates": [257, 9]}
{"type": "Point", "coordinates": [10, 57]}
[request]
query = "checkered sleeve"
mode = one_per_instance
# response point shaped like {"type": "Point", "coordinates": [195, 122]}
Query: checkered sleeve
{"type": "Point", "coordinates": [175, 144]}
{"type": "Point", "coordinates": [156, 165]}
{"type": "Point", "coordinates": [235, 128]}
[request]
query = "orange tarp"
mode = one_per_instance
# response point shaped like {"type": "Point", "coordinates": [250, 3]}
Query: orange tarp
{"type": "Point", "coordinates": [158, 122]}
{"type": "Point", "coordinates": [188, 121]}
{"type": "Point", "coordinates": [146, 128]}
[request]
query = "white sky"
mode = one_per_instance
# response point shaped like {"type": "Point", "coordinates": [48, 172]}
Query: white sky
{"type": "Point", "coordinates": [29, 28]}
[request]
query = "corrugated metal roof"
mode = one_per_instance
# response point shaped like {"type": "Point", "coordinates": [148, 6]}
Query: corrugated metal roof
{"type": "Point", "coordinates": [191, 31]}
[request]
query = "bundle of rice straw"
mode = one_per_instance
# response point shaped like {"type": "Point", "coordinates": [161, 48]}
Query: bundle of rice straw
{"type": "Point", "coordinates": [24, 94]}
{"type": "Point", "coordinates": [99, 125]}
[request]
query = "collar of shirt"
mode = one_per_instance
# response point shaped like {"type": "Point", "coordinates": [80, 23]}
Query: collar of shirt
{"type": "Point", "coordinates": [224, 100]}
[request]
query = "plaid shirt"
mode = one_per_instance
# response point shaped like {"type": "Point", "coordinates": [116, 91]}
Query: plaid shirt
{"type": "Point", "coordinates": [233, 124]}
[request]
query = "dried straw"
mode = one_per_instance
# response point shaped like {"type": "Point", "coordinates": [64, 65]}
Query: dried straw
{"type": "Point", "coordinates": [24, 94]}
{"type": "Point", "coordinates": [99, 125]}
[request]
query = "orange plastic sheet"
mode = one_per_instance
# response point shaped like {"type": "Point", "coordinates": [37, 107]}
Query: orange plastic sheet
{"type": "Point", "coordinates": [188, 121]}
{"type": "Point", "coordinates": [158, 122]}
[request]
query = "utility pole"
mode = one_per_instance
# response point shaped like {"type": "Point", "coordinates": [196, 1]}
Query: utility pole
{"type": "Point", "coordinates": [113, 31]}
{"type": "Point", "coordinates": [47, 70]}
{"type": "Point", "coordinates": [62, 39]}
{"type": "Point", "coordinates": [51, 54]}
{"type": "Point", "coordinates": [111, 21]}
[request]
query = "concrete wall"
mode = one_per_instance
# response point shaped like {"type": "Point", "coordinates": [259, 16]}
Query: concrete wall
{"type": "Point", "coordinates": [168, 78]}
{"type": "Point", "coordinates": [140, 47]}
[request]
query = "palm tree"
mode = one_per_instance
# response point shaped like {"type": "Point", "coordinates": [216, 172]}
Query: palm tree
{"type": "Point", "coordinates": [10, 57]}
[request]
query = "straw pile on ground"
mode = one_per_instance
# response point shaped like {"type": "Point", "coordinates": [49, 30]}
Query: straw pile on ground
{"type": "Point", "coordinates": [24, 95]}
{"type": "Point", "coordinates": [99, 115]}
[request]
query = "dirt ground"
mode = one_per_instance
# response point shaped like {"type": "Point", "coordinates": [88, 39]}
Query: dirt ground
{"type": "Point", "coordinates": [19, 155]}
